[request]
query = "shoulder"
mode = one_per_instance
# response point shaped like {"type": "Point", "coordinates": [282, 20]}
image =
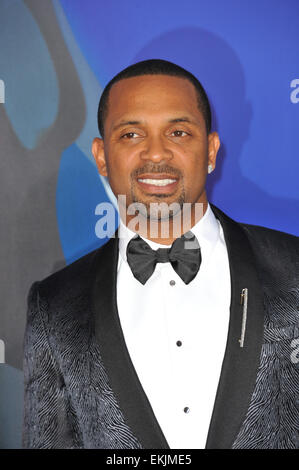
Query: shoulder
{"type": "Point", "coordinates": [74, 280]}
{"type": "Point", "coordinates": [264, 238]}
{"type": "Point", "coordinates": [64, 300]}
{"type": "Point", "coordinates": [276, 253]}
{"type": "Point", "coordinates": [70, 277]}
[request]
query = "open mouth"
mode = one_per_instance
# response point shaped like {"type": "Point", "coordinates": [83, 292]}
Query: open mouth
{"type": "Point", "coordinates": [157, 183]}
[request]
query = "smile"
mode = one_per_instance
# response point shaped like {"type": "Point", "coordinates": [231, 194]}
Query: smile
{"type": "Point", "coordinates": [160, 184]}
{"type": "Point", "coordinates": [157, 182]}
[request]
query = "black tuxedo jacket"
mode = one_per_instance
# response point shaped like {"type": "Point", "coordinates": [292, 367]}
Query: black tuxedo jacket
{"type": "Point", "coordinates": [82, 391]}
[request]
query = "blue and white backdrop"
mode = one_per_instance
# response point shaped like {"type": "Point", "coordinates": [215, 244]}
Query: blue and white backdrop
{"type": "Point", "coordinates": [55, 58]}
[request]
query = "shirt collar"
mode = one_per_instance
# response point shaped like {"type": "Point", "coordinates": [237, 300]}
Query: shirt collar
{"type": "Point", "coordinates": [206, 230]}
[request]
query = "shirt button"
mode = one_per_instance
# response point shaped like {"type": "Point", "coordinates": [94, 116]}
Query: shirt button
{"type": "Point", "coordinates": [179, 343]}
{"type": "Point", "coordinates": [172, 282]}
{"type": "Point", "coordinates": [186, 409]}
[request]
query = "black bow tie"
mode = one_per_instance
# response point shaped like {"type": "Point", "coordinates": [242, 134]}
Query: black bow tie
{"type": "Point", "coordinates": [184, 256]}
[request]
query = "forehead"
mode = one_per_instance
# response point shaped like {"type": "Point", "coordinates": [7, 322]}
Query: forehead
{"type": "Point", "coordinates": [151, 94]}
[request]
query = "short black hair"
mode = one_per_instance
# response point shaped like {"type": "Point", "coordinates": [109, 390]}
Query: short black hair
{"type": "Point", "coordinates": [155, 67]}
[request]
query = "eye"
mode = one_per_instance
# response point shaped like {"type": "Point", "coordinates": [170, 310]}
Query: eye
{"type": "Point", "coordinates": [179, 133]}
{"type": "Point", "coordinates": [128, 135]}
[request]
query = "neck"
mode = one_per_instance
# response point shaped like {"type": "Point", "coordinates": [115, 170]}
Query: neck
{"type": "Point", "coordinates": [165, 231]}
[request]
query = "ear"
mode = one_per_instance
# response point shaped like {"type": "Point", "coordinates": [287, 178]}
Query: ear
{"type": "Point", "coordinates": [97, 149]}
{"type": "Point", "coordinates": [213, 147]}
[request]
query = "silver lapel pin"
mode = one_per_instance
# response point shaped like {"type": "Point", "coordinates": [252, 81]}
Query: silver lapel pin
{"type": "Point", "coordinates": [244, 302]}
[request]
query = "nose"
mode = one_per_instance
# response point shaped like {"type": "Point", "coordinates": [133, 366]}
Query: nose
{"type": "Point", "coordinates": [156, 150]}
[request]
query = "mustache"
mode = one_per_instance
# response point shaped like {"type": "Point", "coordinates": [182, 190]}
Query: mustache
{"type": "Point", "coordinates": [154, 168]}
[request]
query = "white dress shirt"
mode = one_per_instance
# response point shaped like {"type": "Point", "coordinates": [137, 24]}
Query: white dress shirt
{"type": "Point", "coordinates": [176, 333]}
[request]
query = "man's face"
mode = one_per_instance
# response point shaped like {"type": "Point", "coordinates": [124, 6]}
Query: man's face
{"type": "Point", "coordinates": [156, 147]}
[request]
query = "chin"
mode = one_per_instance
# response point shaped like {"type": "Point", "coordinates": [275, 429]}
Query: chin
{"type": "Point", "coordinates": [154, 212]}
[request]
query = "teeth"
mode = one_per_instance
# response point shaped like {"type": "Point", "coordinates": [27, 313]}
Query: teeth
{"type": "Point", "coordinates": [156, 182]}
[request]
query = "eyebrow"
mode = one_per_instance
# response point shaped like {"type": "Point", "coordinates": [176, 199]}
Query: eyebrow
{"type": "Point", "coordinates": [136, 123]}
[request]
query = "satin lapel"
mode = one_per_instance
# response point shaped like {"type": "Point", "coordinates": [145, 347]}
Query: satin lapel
{"type": "Point", "coordinates": [239, 368]}
{"type": "Point", "coordinates": [122, 376]}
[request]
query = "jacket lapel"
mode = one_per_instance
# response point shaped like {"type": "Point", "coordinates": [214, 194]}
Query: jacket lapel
{"type": "Point", "coordinates": [239, 368]}
{"type": "Point", "coordinates": [240, 365]}
{"type": "Point", "coordinates": [122, 376]}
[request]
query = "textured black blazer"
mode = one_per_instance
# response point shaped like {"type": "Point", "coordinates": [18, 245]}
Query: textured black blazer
{"type": "Point", "coordinates": [82, 391]}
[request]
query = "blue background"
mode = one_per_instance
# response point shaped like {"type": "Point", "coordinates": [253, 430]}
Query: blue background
{"type": "Point", "coordinates": [57, 56]}
{"type": "Point", "coordinates": [246, 55]}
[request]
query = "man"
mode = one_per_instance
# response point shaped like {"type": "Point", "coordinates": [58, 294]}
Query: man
{"type": "Point", "coordinates": [179, 337]}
